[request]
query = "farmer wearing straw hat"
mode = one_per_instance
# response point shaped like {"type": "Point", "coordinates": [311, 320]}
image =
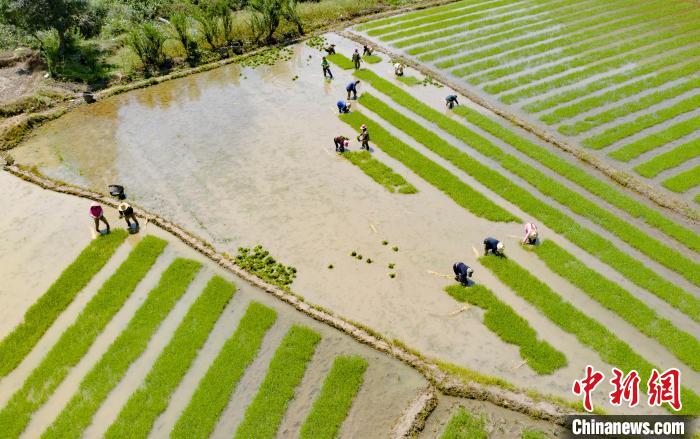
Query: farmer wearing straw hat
{"type": "Point", "coordinates": [341, 143]}
{"type": "Point", "coordinates": [127, 212]}
{"type": "Point", "coordinates": [462, 272]}
{"type": "Point", "coordinates": [530, 234]}
{"type": "Point", "coordinates": [494, 246]}
{"type": "Point", "coordinates": [364, 137]}
{"type": "Point", "coordinates": [97, 214]}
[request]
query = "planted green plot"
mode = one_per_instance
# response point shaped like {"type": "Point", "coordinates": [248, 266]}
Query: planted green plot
{"type": "Point", "coordinates": [684, 181]}
{"type": "Point", "coordinates": [669, 160]}
{"type": "Point", "coordinates": [380, 172]}
{"type": "Point", "coordinates": [341, 61]}
{"type": "Point", "coordinates": [588, 331]}
{"type": "Point", "coordinates": [615, 298]}
{"type": "Point", "coordinates": [216, 387]}
{"type": "Point", "coordinates": [417, 14]}
{"type": "Point", "coordinates": [151, 399]}
{"type": "Point", "coordinates": [131, 343]}
{"type": "Point", "coordinates": [511, 328]}
{"type": "Point", "coordinates": [430, 171]}
{"type": "Point", "coordinates": [333, 404]}
{"type": "Point", "coordinates": [77, 339]}
{"type": "Point", "coordinates": [464, 425]}
{"type": "Point", "coordinates": [41, 315]}
{"type": "Point", "coordinates": [264, 414]}
{"type": "Point", "coordinates": [372, 59]}
{"type": "Point", "coordinates": [655, 140]}
{"type": "Point", "coordinates": [410, 80]}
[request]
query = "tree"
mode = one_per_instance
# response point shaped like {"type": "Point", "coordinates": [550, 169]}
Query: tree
{"type": "Point", "coordinates": [147, 41]}
{"type": "Point", "coordinates": [267, 15]}
{"type": "Point", "coordinates": [34, 16]}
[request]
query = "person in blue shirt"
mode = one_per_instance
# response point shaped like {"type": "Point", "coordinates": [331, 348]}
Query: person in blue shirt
{"type": "Point", "coordinates": [462, 273]}
{"type": "Point", "coordinates": [494, 246]}
{"type": "Point", "coordinates": [343, 107]}
{"type": "Point", "coordinates": [352, 88]}
{"type": "Point", "coordinates": [451, 101]}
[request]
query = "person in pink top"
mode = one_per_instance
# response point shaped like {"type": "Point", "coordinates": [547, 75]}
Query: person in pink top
{"type": "Point", "coordinates": [530, 234]}
{"type": "Point", "coordinates": [97, 214]}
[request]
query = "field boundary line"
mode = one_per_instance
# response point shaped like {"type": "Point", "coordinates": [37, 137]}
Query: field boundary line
{"type": "Point", "coordinates": [413, 417]}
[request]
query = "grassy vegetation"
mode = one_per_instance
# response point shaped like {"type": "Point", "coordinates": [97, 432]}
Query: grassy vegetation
{"type": "Point", "coordinates": [533, 434]}
{"type": "Point", "coordinates": [655, 140]}
{"type": "Point", "coordinates": [372, 59]}
{"type": "Point", "coordinates": [511, 328]}
{"type": "Point", "coordinates": [410, 80]}
{"type": "Point", "coordinates": [582, 178]}
{"type": "Point", "coordinates": [464, 425]}
{"type": "Point", "coordinates": [151, 398]}
{"type": "Point", "coordinates": [683, 181]}
{"type": "Point", "coordinates": [259, 262]}
{"type": "Point", "coordinates": [615, 298]}
{"type": "Point", "coordinates": [214, 390]}
{"type": "Point", "coordinates": [109, 370]}
{"type": "Point", "coordinates": [341, 61]}
{"type": "Point", "coordinates": [77, 339]}
{"type": "Point", "coordinates": [589, 332]}
{"type": "Point", "coordinates": [619, 132]}
{"type": "Point", "coordinates": [587, 240]}
{"type": "Point", "coordinates": [41, 315]}
{"type": "Point", "coordinates": [430, 171]}
{"type": "Point", "coordinates": [661, 63]}
{"type": "Point", "coordinates": [333, 404]}
{"type": "Point", "coordinates": [669, 159]}
{"type": "Point", "coordinates": [380, 172]}
{"type": "Point", "coordinates": [617, 94]}
{"type": "Point", "coordinates": [264, 414]}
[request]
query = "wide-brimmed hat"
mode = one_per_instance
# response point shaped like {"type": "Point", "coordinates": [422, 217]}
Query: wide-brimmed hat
{"type": "Point", "coordinates": [500, 246]}
{"type": "Point", "coordinates": [96, 210]}
{"type": "Point", "coordinates": [123, 206]}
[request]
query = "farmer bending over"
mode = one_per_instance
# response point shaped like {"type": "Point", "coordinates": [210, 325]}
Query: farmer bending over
{"type": "Point", "coordinates": [398, 69]}
{"type": "Point", "coordinates": [351, 88]}
{"type": "Point", "coordinates": [462, 273]}
{"type": "Point", "coordinates": [341, 143]}
{"type": "Point", "coordinates": [356, 59]}
{"type": "Point", "coordinates": [326, 68]}
{"type": "Point", "coordinates": [127, 212]}
{"type": "Point", "coordinates": [343, 107]}
{"type": "Point", "coordinates": [530, 234]}
{"type": "Point", "coordinates": [364, 137]}
{"type": "Point", "coordinates": [330, 49]}
{"type": "Point", "coordinates": [494, 246]}
{"type": "Point", "coordinates": [366, 50]}
{"type": "Point", "coordinates": [451, 101]}
{"type": "Point", "coordinates": [97, 214]}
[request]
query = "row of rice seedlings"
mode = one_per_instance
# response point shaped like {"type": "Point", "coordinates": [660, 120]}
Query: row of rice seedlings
{"type": "Point", "coordinates": [595, 244]}
{"type": "Point", "coordinates": [214, 390]}
{"type": "Point", "coordinates": [341, 61]}
{"type": "Point", "coordinates": [664, 62]}
{"type": "Point", "coordinates": [151, 399]}
{"type": "Point", "coordinates": [617, 94]}
{"type": "Point", "coordinates": [557, 16]}
{"type": "Point", "coordinates": [599, 68]}
{"type": "Point", "coordinates": [649, 38]}
{"type": "Point", "coordinates": [588, 331]}
{"type": "Point", "coordinates": [455, 13]}
{"type": "Point", "coordinates": [41, 315]}
{"type": "Point", "coordinates": [372, 59]}
{"type": "Point", "coordinates": [131, 343]}
{"type": "Point", "coordinates": [669, 159]}
{"type": "Point", "coordinates": [625, 109]}
{"type": "Point", "coordinates": [623, 130]}
{"type": "Point", "coordinates": [416, 14]}
{"type": "Point", "coordinates": [511, 328]}
{"type": "Point", "coordinates": [683, 181]}
{"type": "Point", "coordinates": [380, 172]}
{"type": "Point", "coordinates": [464, 425]}
{"type": "Point", "coordinates": [579, 176]}
{"type": "Point", "coordinates": [441, 178]}
{"type": "Point", "coordinates": [593, 30]}
{"type": "Point", "coordinates": [264, 414]}
{"type": "Point", "coordinates": [620, 301]}
{"type": "Point", "coordinates": [333, 404]}
{"type": "Point", "coordinates": [77, 339]}
{"type": "Point", "coordinates": [655, 140]}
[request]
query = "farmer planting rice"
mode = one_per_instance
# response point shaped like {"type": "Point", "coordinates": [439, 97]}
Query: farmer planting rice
{"type": "Point", "coordinates": [366, 50]}
{"type": "Point", "coordinates": [127, 212]}
{"type": "Point", "coordinates": [363, 138]}
{"type": "Point", "coordinates": [462, 272]}
{"type": "Point", "coordinates": [343, 107]}
{"type": "Point", "coordinates": [341, 143]}
{"type": "Point", "coordinates": [97, 214]}
{"type": "Point", "coordinates": [451, 101]}
{"type": "Point", "coordinates": [530, 234]}
{"type": "Point", "coordinates": [351, 88]}
{"type": "Point", "coordinates": [494, 246]}
{"type": "Point", "coordinates": [398, 69]}
{"type": "Point", "coordinates": [330, 49]}
{"type": "Point", "coordinates": [326, 68]}
{"type": "Point", "coordinates": [356, 59]}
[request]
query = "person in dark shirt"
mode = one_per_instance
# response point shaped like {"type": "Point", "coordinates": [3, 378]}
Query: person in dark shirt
{"type": "Point", "coordinates": [356, 59]}
{"type": "Point", "coordinates": [494, 246]}
{"type": "Point", "coordinates": [351, 88]}
{"type": "Point", "coordinates": [127, 212]}
{"type": "Point", "coordinates": [462, 272]}
{"type": "Point", "coordinates": [451, 101]}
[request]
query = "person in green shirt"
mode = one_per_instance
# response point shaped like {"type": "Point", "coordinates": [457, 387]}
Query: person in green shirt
{"type": "Point", "coordinates": [356, 59]}
{"type": "Point", "coordinates": [326, 68]}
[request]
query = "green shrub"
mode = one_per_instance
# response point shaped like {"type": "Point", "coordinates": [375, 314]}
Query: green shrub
{"type": "Point", "coordinates": [655, 140]}
{"type": "Point", "coordinates": [380, 172]}
{"type": "Point", "coordinates": [683, 181]}
{"type": "Point", "coordinates": [511, 328]}
{"type": "Point", "coordinates": [669, 159]}
{"type": "Point", "coordinates": [464, 425]}
{"type": "Point", "coordinates": [131, 343]}
{"type": "Point", "coordinates": [151, 399]}
{"type": "Point", "coordinates": [147, 40]}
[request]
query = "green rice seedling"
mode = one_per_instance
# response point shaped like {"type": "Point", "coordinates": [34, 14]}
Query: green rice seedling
{"type": "Point", "coordinates": [593, 243]}
{"type": "Point", "coordinates": [369, 260]}
{"type": "Point", "coordinates": [391, 266]}
{"type": "Point", "coordinates": [151, 399]}
{"type": "Point", "coordinates": [652, 141]}
{"type": "Point", "coordinates": [615, 298]}
{"type": "Point", "coordinates": [353, 254]}
{"type": "Point", "coordinates": [464, 425]}
{"type": "Point", "coordinates": [436, 175]}
{"type": "Point", "coordinates": [214, 390]}
{"type": "Point", "coordinates": [619, 132]}
{"type": "Point", "coordinates": [410, 80]}
{"type": "Point", "coordinates": [617, 94]}
{"type": "Point", "coordinates": [645, 102]}
{"type": "Point", "coordinates": [77, 339]}
{"type": "Point", "coordinates": [582, 178]}
{"type": "Point", "coordinates": [372, 59]}
{"type": "Point", "coordinates": [511, 328]}
{"type": "Point", "coordinates": [259, 262]}
{"type": "Point", "coordinates": [670, 159]}
{"type": "Point", "coordinates": [330, 266]}
{"type": "Point", "coordinates": [337, 394]}
{"type": "Point", "coordinates": [110, 369]}
{"type": "Point", "coordinates": [684, 181]}
{"type": "Point", "coordinates": [588, 331]}
{"type": "Point", "coordinates": [385, 242]}
{"type": "Point", "coordinates": [599, 68]}
{"type": "Point", "coordinates": [380, 172]}
{"type": "Point", "coordinates": [341, 61]}
{"type": "Point", "coordinates": [533, 434]}
{"type": "Point", "coordinates": [669, 62]}
{"type": "Point", "coordinates": [392, 275]}
{"type": "Point", "coordinates": [395, 249]}
{"type": "Point", "coordinates": [41, 315]}
{"type": "Point", "coordinates": [264, 414]}
{"type": "Point", "coordinates": [359, 257]}
{"type": "Point", "coordinates": [416, 14]}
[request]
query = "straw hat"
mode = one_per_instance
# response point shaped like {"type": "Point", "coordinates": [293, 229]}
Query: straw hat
{"type": "Point", "coordinates": [123, 206]}
{"type": "Point", "coordinates": [500, 246]}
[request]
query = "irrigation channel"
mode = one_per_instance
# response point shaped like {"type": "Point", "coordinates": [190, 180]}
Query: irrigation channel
{"type": "Point", "coordinates": [243, 156]}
